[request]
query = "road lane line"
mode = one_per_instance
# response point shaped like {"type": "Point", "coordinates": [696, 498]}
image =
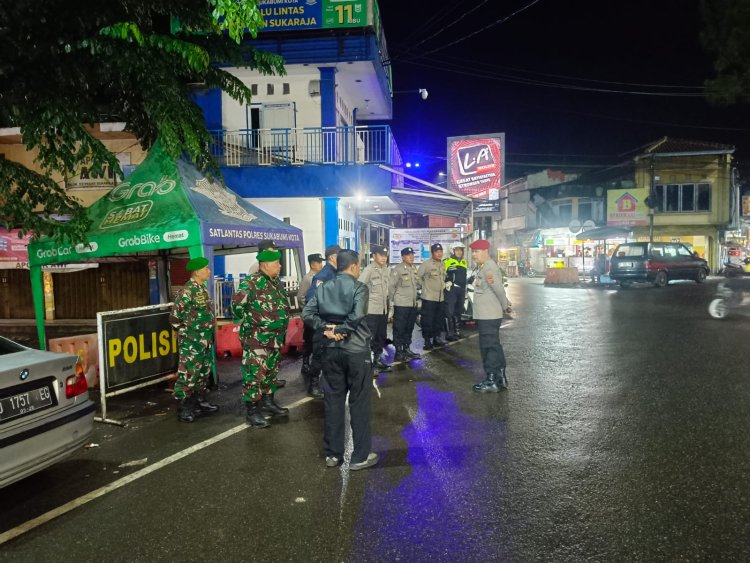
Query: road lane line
{"type": "Point", "coordinates": [80, 501]}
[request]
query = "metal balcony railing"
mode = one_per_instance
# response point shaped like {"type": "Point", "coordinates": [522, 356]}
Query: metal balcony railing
{"type": "Point", "coordinates": [312, 145]}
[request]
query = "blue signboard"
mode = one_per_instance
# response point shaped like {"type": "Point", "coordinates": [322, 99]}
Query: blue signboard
{"type": "Point", "coordinates": [285, 15]}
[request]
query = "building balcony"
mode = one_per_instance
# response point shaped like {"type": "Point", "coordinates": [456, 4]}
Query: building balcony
{"type": "Point", "coordinates": [306, 146]}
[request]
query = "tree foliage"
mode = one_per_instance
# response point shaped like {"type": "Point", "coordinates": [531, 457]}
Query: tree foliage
{"type": "Point", "coordinates": [65, 65]}
{"type": "Point", "coordinates": [726, 35]}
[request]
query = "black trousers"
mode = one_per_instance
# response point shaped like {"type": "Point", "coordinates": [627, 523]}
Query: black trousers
{"type": "Point", "coordinates": [378, 325]}
{"type": "Point", "coordinates": [454, 302]}
{"type": "Point", "coordinates": [404, 319]}
{"type": "Point", "coordinates": [493, 355]}
{"type": "Point", "coordinates": [307, 337]}
{"type": "Point", "coordinates": [318, 347]}
{"type": "Point", "coordinates": [347, 372]}
{"type": "Point", "coordinates": [433, 318]}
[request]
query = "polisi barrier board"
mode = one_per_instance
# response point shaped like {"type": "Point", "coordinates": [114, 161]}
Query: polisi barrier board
{"type": "Point", "coordinates": [137, 347]}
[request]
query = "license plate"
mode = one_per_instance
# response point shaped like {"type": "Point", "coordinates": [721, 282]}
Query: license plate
{"type": "Point", "coordinates": [625, 265]}
{"type": "Point", "coordinates": [26, 402]}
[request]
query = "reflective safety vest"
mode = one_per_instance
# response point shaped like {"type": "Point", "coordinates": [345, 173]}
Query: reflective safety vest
{"type": "Point", "coordinates": [455, 271]}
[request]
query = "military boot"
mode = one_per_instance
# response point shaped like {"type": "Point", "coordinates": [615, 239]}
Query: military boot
{"type": "Point", "coordinates": [400, 354]}
{"type": "Point", "coordinates": [457, 327]}
{"type": "Point", "coordinates": [450, 330]}
{"type": "Point", "coordinates": [428, 345]}
{"type": "Point", "coordinates": [502, 381]}
{"type": "Point", "coordinates": [314, 389]}
{"type": "Point", "coordinates": [202, 406]}
{"type": "Point", "coordinates": [409, 353]}
{"type": "Point", "coordinates": [185, 409]}
{"type": "Point", "coordinates": [269, 407]}
{"type": "Point", "coordinates": [379, 365]}
{"type": "Point", "coordinates": [254, 417]}
{"type": "Point", "coordinates": [489, 385]}
{"type": "Point", "coordinates": [437, 343]}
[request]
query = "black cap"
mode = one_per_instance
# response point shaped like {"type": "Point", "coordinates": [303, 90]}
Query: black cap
{"type": "Point", "coordinates": [436, 246]}
{"type": "Point", "coordinates": [379, 249]}
{"type": "Point", "coordinates": [407, 250]}
{"type": "Point", "coordinates": [317, 257]}
{"type": "Point", "coordinates": [333, 249]}
{"type": "Point", "coordinates": [267, 244]}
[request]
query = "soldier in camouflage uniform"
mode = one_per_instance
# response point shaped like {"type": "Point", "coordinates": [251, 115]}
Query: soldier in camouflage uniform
{"type": "Point", "coordinates": [193, 320]}
{"type": "Point", "coordinates": [261, 307]}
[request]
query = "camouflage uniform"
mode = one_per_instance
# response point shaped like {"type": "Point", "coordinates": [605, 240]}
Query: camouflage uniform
{"type": "Point", "coordinates": [193, 320]}
{"type": "Point", "coordinates": [261, 306]}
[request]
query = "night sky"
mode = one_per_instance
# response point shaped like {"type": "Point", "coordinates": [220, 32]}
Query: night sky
{"type": "Point", "coordinates": [638, 45]}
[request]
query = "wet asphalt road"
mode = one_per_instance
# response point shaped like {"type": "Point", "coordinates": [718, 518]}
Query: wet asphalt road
{"type": "Point", "coordinates": [623, 437]}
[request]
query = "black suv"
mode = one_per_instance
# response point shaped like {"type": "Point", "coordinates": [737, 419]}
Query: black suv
{"type": "Point", "coordinates": [656, 262]}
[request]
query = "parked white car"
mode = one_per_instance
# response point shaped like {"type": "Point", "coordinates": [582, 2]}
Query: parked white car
{"type": "Point", "coordinates": [45, 410]}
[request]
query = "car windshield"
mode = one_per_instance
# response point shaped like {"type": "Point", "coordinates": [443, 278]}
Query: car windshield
{"type": "Point", "coordinates": [629, 250]}
{"type": "Point", "coordinates": [9, 347]}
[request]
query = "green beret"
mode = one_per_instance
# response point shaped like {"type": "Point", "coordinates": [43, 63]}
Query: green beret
{"type": "Point", "coordinates": [269, 256]}
{"type": "Point", "coordinates": [196, 264]}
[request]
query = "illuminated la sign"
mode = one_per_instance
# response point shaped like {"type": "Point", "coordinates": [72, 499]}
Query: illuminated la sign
{"type": "Point", "coordinates": [476, 163]}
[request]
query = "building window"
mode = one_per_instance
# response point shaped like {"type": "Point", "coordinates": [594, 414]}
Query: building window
{"type": "Point", "coordinates": [285, 88]}
{"type": "Point", "coordinates": [682, 198]}
{"type": "Point", "coordinates": [269, 89]}
{"type": "Point", "coordinates": [254, 89]}
{"type": "Point", "coordinates": [584, 212]}
{"type": "Point", "coordinates": [565, 212]}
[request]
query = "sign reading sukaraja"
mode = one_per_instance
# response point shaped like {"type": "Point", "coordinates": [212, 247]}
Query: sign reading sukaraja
{"type": "Point", "coordinates": [285, 15]}
{"type": "Point", "coordinates": [476, 163]}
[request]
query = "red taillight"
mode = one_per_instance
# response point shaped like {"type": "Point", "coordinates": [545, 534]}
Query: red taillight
{"type": "Point", "coordinates": [649, 265]}
{"type": "Point", "coordinates": [76, 384]}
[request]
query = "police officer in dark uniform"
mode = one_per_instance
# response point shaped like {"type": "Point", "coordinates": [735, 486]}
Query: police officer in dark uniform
{"type": "Point", "coordinates": [402, 292]}
{"type": "Point", "coordinates": [455, 290]}
{"type": "Point", "coordinates": [316, 362]}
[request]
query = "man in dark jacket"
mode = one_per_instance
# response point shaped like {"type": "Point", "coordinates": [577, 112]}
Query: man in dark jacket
{"type": "Point", "coordinates": [338, 310]}
{"type": "Point", "coordinates": [316, 362]}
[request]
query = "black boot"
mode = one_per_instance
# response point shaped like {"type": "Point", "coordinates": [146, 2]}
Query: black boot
{"type": "Point", "coordinates": [457, 327]}
{"type": "Point", "coordinates": [400, 354]}
{"type": "Point", "coordinates": [185, 410]}
{"type": "Point", "coordinates": [502, 381]}
{"type": "Point", "coordinates": [202, 406]}
{"type": "Point", "coordinates": [254, 417]}
{"type": "Point", "coordinates": [269, 406]}
{"type": "Point", "coordinates": [428, 345]}
{"type": "Point", "coordinates": [489, 385]}
{"type": "Point", "coordinates": [409, 353]}
{"type": "Point", "coordinates": [379, 365]}
{"type": "Point", "coordinates": [314, 389]}
{"type": "Point", "coordinates": [450, 330]}
{"type": "Point", "coordinates": [437, 343]}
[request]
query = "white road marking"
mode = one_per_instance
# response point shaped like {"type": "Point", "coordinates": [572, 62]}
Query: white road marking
{"type": "Point", "coordinates": [93, 495]}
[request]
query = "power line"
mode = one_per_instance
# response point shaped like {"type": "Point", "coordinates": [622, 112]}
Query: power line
{"type": "Point", "coordinates": [485, 28]}
{"type": "Point", "coordinates": [435, 18]}
{"type": "Point", "coordinates": [439, 31]}
{"type": "Point", "coordinates": [529, 82]}
{"type": "Point", "coordinates": [491, 67]}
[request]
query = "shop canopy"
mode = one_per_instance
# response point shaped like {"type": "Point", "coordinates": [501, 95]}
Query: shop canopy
{"type": "Point", "coordinates": [164, 205]}
{"type": "Point", "coordinates": [604, 233]}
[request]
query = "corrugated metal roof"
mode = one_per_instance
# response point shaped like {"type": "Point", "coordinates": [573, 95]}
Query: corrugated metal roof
{"type": "Point", "coordinates": [672, 145]}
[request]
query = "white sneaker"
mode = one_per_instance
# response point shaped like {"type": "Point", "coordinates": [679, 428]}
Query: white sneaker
{"type": "Point", "coordinates": [372, 459]}
{"type": "Point", "coordinates": [333, 461]}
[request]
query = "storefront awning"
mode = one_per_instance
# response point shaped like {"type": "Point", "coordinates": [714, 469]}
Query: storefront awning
{"type": "Point", "coordinates": [603, 233]}
{"type": "Point", "coordinates": [425, 198]}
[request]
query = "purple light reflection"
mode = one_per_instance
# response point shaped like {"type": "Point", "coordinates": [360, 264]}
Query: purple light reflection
{"type": "Point", "coordinates": [440, 509]}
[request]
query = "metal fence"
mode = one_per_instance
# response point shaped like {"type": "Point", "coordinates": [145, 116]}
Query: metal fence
{"type": "Point", "coordinates": [224, 290]}
{"type": "Point", "coordinates": [311, 145]}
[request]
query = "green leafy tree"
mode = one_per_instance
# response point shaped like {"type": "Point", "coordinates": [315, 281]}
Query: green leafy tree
{"type": "Point", "coordinates": [67, 65]}
{"type": "Point", "coordinates": [726, 35]}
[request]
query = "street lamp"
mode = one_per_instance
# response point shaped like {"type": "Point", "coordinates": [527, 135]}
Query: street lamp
{"type": "Point", "coordinates": [422, 92]}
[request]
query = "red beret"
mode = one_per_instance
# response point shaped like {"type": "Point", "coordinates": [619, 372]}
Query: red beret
{"type": "Point", "coordinates": [480, 244]}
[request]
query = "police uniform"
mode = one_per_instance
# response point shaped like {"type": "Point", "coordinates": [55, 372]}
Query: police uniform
{"type": "Point", "coordinates": [261, 307]}
{"type": "Point", "coordinates": [192, 318]}
{"type": "Point", "coordinates": [402, 292]}
{"type": "Point", "coordinates": [490, 302]}
{"type": "Point", "coordinates": [308, 332]}
{"type": "Point", "coordinates": [377, 279]}
{"type": "Point", "coordinates": [312, 379]}
{"type": "Point", "coordinates": [431, 274]}
{"type": "Point", "coordinates": [455, 293]}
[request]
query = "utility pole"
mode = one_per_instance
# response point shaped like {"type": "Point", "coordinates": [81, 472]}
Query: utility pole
{"type": "Point", "coordinates": [651, 203]}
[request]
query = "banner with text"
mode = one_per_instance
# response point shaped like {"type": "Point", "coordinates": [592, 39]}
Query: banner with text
{"type": "Point", "coordinates": [287, 15]}
{"type": "Point", "coordinates": [421, 240]}
{"type": "Point", "coordinates": [626, 208]}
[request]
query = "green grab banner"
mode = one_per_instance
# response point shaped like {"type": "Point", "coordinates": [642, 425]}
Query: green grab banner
{"type": "Point", "coordinates": [149, 211]}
